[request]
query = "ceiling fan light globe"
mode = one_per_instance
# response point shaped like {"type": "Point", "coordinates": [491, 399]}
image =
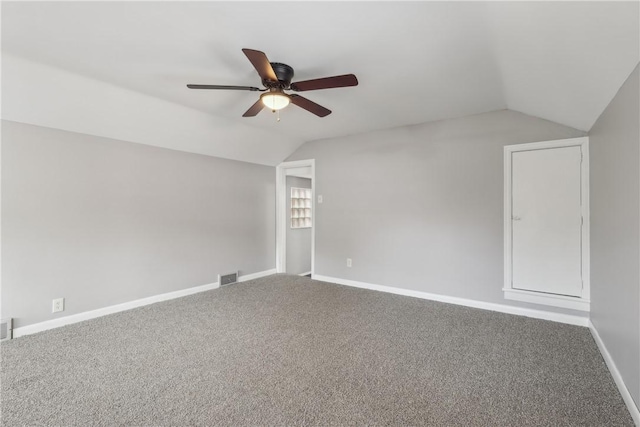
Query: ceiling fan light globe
{"type": "Point", "coordinates": [275, 101]}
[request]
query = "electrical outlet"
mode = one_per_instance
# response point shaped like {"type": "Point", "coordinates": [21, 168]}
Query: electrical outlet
{"type": "Point", "coordinates": [320, 198]}
{"type": "Point", "coordinates": [58, 305]}
{"type": "Point", "coordinates": [349, 262]}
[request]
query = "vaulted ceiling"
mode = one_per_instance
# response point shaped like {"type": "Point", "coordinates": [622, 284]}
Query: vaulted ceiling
{"type": "Point", "coordinates": [119, 69]}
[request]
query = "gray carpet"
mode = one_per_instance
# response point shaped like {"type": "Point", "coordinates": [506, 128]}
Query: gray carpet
{"type": "Point", "coordinates": [288, 350]}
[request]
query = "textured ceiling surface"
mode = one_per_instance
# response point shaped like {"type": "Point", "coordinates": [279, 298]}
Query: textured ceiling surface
{"type": "Point", "coordinates": [416, 61]}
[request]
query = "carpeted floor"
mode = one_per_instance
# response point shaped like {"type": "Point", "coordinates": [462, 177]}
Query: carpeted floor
{"type": "Point", "coordinates": [288, 350]}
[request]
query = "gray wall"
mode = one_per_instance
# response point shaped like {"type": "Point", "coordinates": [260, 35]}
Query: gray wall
{"type": "Point", "coordinates": [423, 208]}
{"type": "Point", "coordinates": [298, 239]}
{"type": "Point", "coordinates": [101, 222]}
{"type": "Point", "coordinates": [615, 230]}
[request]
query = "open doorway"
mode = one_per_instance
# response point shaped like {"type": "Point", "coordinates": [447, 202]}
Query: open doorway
{"type": "Point", "coordinates": [295, 217]}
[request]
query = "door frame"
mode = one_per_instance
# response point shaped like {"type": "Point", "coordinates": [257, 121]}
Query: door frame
{"type": "Point", "coordinates": [281, 212]}
{"type": "Point", "coordinates": [581, 303]}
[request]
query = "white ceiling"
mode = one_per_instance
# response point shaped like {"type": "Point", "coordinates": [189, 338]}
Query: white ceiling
{"type": "Point", "coordinates": [416, 62]}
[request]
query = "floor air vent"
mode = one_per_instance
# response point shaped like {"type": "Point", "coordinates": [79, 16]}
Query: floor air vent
{"type": "Point", "coordinates": [6, 329]}
{"type": "Point", "coordinates": [228, 279]}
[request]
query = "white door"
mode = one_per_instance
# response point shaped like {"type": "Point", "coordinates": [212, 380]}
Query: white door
{"type": "Point", "coordinates": [547, 220]}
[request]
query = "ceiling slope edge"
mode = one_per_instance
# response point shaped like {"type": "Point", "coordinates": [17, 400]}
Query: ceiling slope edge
{"type": "Point", "coordinates": [502, 115]}
{"type": "Point", "coordinates": [39, 94]}
{"type": "Point", "coordinates": [633, 70]}
{"type": "Point", "coordinates": [586, 123]}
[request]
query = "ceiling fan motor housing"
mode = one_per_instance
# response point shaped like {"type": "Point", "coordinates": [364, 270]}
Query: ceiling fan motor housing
{"type": "Point", "coordinates": [284, 73]}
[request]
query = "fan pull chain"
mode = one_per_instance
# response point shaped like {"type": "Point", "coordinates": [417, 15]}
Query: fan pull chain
{"type": "Point", "coordinates": [277, 115]}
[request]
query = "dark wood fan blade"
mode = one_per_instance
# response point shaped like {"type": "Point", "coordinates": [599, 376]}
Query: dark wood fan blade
{"type": "Point", "coordinates": [255, 109]}
{"type": "Point", "coordinates": [251, 88]}
{"type": "Point", "coordinates": [261, 64]}
{"type": "Point", "coordinates": [325, 83]}
{"type": "Point", "coordinates": [310, 106]}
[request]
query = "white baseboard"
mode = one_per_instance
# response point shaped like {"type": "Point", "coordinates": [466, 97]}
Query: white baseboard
{"type": "Point", "coordinates": [617, 378]}
{"type": "Point", "coordinates": [257, 275]}
{"type": "Point", "coordinates": [502, 308]}
{"type": "Point", "coordinates": [304, 274]}
{"type": "Point", "coordinates": [75, 318]}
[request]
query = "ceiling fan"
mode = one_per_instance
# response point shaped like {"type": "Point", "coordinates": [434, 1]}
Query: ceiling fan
{"type": "Point", "coordinates": [276, 78]}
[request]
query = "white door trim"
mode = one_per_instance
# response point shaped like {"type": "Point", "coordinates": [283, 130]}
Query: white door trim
{"type": "Point", "coordinates": [281, 212]}
{"type": "Point", "coordinates": [581, 303]}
